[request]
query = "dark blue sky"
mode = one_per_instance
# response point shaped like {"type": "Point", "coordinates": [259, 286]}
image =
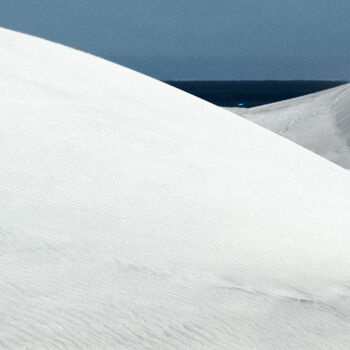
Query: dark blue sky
{"type": "Point", "coordinates": [199, 39]}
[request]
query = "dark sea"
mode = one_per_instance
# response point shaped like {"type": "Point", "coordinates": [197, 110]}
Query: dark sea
{"type": "Point", "coordinates": [251, 93]}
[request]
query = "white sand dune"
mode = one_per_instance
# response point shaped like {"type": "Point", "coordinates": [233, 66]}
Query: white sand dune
{"type": "Point", "coordinates": [136, 216]}
{"type": "Point", "coordinates": [320, 122]}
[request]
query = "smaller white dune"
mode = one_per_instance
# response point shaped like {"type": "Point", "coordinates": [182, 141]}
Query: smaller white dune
{"type": "Point", "coordinates": [319, 122]}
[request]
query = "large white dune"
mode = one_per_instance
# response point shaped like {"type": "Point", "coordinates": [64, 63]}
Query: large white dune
{"type": "Point", "coordinates": [320, 122]}
{"type": "Point", "coordinates": [136, 216]}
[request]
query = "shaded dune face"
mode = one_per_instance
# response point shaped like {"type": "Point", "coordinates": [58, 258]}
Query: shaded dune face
{"type": "Point", "coordinates": [136, 216]}
{"type": "Point", "coordinates": [319, 122]}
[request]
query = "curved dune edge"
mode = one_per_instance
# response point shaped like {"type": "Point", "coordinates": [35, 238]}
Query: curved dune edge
{"type": "Point", "coordinates": [136, 216]}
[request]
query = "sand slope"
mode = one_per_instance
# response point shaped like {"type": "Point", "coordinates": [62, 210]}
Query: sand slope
{"type": "Point", "coordinates": [135, 216]}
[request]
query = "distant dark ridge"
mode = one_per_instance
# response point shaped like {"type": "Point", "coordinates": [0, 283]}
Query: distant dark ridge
{"type": "Point", "coordinates": [252, 93]}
